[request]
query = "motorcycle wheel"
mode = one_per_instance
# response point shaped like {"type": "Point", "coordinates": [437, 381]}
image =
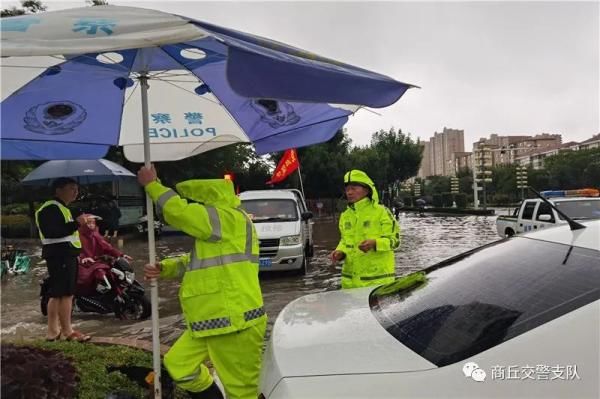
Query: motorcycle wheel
{"type": "Point", "coordinates": [134, 308]}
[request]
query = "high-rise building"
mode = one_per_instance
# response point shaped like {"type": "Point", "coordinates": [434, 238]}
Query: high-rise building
{"type": "Point", "coordinates": [437, 154]}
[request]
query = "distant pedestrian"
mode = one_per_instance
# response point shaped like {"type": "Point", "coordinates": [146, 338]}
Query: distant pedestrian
{"type": "Point", "coordinates": [369, 235]}
{"type": "Point", "coordinates": [113, 215]}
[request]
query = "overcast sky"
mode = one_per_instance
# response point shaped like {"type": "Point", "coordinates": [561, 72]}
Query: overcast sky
{"type": "Point", "coordinates": [510, 68]}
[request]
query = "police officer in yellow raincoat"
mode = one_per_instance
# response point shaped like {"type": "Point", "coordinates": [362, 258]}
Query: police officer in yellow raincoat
{"type": "Point", "coordinates": [369, 235]}
{"type": "Point", "coordinates": [220, 293]}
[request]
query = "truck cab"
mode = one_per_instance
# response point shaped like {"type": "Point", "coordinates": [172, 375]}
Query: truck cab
{"type": "Point", "coordinates": [534, 214]}
{"type": "Point", "coordinates": [284, 228]}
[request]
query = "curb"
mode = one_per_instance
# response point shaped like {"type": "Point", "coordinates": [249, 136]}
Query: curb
{"type": "Point", "coordinates": [130, 342]}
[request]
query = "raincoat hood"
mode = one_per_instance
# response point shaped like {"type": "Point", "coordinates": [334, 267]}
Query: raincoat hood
{"type": "Point", "coordinates": [360, 177]}
{"type": "Point", "coordinates": [84, 230]}
{"type": "Point", "coordinates": [214, 192]}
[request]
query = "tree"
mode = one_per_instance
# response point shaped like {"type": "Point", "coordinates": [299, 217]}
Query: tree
{"type": "Point", "coordinates": [400, 155]}
{"type": "Point", "coordinates": [323, 166]}
{"type": "Point", "coordinates": [568, 169]}
{"type": "Point", "coordinates": [27, 7]}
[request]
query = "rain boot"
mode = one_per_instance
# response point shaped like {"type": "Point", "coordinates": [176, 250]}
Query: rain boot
{"type": "Point", "coordinates": [212, 392]}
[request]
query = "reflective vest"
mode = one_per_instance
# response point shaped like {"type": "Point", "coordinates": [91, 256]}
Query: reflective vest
{"type": "Point", "coordinates": [220, 292]}
{"type": "Point", "coordinates": [367, 220]}
{"type": "Point", "coordinates": [72, 238]}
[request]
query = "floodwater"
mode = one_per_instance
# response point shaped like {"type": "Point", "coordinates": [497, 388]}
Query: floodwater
{"type": "Point", "coordinates": [425, 241]}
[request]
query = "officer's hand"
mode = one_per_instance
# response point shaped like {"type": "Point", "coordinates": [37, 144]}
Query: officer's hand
{"type": "Point", "coordinates": [367, 245]}
{"type": "Point", "coordinates": [151, 271]}
{"type": "Point", "coordinates": [127, 258]}
{"type": "Point", "coordinates": [146, 175]}
{"type": "Point", "coordinates": [337, 256]}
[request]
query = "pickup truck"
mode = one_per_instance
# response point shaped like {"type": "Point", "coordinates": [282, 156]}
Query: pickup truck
{"type": "Point", "coordinates": [535, 214]}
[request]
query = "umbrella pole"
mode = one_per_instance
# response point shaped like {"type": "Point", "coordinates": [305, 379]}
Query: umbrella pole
{"type": "Point", "coordinates": [156, 360]}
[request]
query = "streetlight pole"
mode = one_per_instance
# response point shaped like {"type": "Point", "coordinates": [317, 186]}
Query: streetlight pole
{"type": "Point", "coordinates": [483, 153]}
{"type": "Point", "coordinates": [475, 187]}
{"type": "Point", "coordinates": [521, 172]}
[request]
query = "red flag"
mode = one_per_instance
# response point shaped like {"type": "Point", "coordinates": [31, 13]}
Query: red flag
{"type": "Point", "coordinates": [287, 164]}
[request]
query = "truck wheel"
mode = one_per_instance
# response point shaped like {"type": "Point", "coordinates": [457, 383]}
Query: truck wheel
{"type": "Point", "coordinates": [509, 233]}
{"type": "Point", "coordinates": [303, 267]}
{"type": "Point", "coordinates": [310, 250]}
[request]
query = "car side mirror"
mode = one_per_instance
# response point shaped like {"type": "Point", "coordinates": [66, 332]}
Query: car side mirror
{"type": "Point", "coordinates": [545, 218]}
{"type": "Point", "coordinates": [306, 215]}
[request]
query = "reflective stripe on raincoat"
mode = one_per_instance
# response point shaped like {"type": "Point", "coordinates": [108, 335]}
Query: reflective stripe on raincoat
{"type": "Point", "coordinates": [367, 220]}
{"type": "Point", "coordinates": [220, 291]}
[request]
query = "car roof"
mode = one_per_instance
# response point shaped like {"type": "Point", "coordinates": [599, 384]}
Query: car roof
{"type": "Point", "coordinates": [561, 199]}
{"type": "Point", "coordinates": [267, 194]}
{"type": "Point", "coordinates": [589, 237]}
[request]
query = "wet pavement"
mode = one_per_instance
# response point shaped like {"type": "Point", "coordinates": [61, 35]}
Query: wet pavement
{"type": "Point", "coordinates": [425, 241]}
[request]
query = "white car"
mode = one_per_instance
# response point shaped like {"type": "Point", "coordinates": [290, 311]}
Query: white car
{"type": "Point", "coordinates": [517, 318]}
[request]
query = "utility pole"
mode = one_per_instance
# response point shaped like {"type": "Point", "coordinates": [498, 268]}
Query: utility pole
{"type": "Point", "coordinates": [454, 189]}
{"type": "Point", "coordinates": [484, 160]}
{"type": "Point", "coordinates": [475, 188]}
{"type": "Point", "coordinates": [417, 189]}
{"type": "Point", "coordinates": [521, 172]}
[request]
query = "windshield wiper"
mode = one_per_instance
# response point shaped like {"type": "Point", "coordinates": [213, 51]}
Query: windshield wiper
{"type": "Point", "coordinates": [274, 219]}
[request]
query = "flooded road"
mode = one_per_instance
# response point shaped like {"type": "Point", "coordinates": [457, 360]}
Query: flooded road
{"type": "Point", "coordinates": [425, 241]}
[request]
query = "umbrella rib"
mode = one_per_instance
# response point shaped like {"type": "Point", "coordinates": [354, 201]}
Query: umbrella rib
{"type": "Point", "coordinates": [191, 92]}
{"type": "Point", "coordinates": [181, 47]}
{"type": "Point", "coordinates": [220, 102]}
{"type": "Point", "coordinates": [131, 93]}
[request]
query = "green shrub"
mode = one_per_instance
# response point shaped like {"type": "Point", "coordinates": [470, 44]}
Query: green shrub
{"type": "Point", "coordinates": [15, 209]}
{"type": "Point", "coordinates": [447, 199]}
{"type": "Point", "coordinates": [461, 200]}
{"type": "Point", "coordinates": [90, 362]}
{"type": "Point", "coordinates": [15, 226]}
{"type": "Point", "coordinates": [438, 201]}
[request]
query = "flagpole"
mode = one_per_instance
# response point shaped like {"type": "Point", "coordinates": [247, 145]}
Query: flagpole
{"type": "Point", "coordinates": [300, 176]}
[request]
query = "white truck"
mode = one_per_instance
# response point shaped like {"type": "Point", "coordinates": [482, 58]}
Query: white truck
{"type": "Point", "coordinates": [284, 228]}
{"type": "Point", "coordinates": [535, 214]}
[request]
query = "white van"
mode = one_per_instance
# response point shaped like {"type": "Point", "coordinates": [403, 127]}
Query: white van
{"type": "Point", "coordinates": [284, 228]}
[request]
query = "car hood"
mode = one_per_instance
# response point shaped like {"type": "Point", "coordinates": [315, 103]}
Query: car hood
{"type": "Point", "coordinates": [277, 229]}
{"type": "Point", "coordinates": [334, 333]}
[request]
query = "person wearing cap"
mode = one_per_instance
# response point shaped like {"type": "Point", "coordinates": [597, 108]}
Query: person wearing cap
{"type": "Point", "coordinates": [369, 234]}
{"type": "Point", "coordinates": [60, 248]}
{"type": "Point", "coordinates": [220, 293]}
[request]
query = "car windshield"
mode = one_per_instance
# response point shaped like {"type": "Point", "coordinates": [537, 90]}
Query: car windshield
{"type": "Point", "coordinates": [580, 209]}
{"type": "Point", "coordinates": [271, 210]}
{"type": "Point", "coordinates": [484, 297]}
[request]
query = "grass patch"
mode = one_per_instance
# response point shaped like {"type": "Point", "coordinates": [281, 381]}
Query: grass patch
{"type": "Point", "coordinates": [90, 361]}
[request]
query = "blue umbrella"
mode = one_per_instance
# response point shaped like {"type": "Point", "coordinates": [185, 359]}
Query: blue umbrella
{"type": "Point", "coordinates": [85, 171]}
{"type": "Point", "coordinates": [76, 81]}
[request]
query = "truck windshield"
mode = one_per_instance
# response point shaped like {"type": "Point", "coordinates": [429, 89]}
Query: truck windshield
{"type": "Point", "coordinates": [271, 210]}
{"type": "Point", "coordinates": [579, 209]}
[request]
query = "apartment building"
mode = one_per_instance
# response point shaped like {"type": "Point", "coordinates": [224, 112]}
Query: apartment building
{"type": "Point", "coordinates": [437, 154]}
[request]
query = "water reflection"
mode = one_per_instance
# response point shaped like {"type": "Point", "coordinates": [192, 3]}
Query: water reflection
{"type": "Point", "coordinates": [425, 241]}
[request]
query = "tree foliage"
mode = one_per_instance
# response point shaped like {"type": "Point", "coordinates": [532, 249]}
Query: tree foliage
{"type": "Point", "coordinates": [27, 7]}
